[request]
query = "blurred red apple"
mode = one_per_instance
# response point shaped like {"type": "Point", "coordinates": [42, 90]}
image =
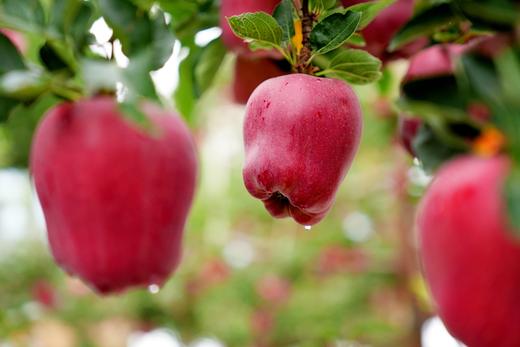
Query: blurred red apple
{"type": "Point", "coordinates": [301, 134]}
{"type": "Point", "coordinates": [250, 73]}
{"type": "Point", "coordinates": [434, 61]}
{"type": "Point", "coordinates": [471, 260]}
{"type": "Point", "coordinates": [115, 197]}
{"type": "Point", "coordinates": [44, 293]}
{"type": "Point", "coordinates": [16, 38]}
{"type": "Point", "coordinates": [230, 8]}
{"type": "Point", "coordinates": [337, 259]}
{"type": "Point", "coordinates": [273, 289]}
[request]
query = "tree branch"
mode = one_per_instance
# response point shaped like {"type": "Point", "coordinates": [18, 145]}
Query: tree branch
{"type": "Point", "coordinates": [307, 20]}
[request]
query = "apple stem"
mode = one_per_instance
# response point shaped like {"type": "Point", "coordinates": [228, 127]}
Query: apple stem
{"type": "Point", "coordinates": [307, 19]}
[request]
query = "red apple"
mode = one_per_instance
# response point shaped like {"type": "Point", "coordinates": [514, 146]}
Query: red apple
{"type": "Point", "coordinates": [16, 38]}
{"type": "Point", "coordinates": [301, 134]}
{"type": "Point", "coordinates": [434, 61]}
{"type": "Point", "coordinates": [115, 197]}
{"type": "Point", "coordinates": [230, 8]}
{"type": "Point", "coordinates": [250, 73]}
{"type": "Point", "coordinates": [470, 257]}
{"type": "Point", "coordinates": [408, 127]}
{"type": "Point", "coordinates": [385, 26]}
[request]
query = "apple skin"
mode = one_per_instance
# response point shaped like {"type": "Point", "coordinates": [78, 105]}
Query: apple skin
{"type": "Point", "coordinates": [435, 61]}
{"type": "Point", "coordinates": [469, 257]}
{"type": "Point", "coordinates": [115, 198]}
{"type": "Point", "coordinates": [301, 134]}
{"type": "Point", "coordinates": [385, 26]}
{"type": "Point", "coordinates": [230, 8]}
{"type": "Point", "coordinates": [250, 73]}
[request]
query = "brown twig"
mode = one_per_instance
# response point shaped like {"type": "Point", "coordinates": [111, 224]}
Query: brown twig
{"type": "Point", "coordinates": [307, 19]}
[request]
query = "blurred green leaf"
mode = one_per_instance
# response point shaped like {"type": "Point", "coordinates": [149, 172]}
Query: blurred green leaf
{"type": "Point", "coordinates": [99, 75]}
{"type": "Point", "coordinates": [21, 125]}
{"type": "Point", "coordinates": [131, 25]}
{"type": "Point", "coordinates": [11, 58]}
{"type": "Point", "coordinates": [284, 15]}
{"type": "Point", "coordinates": [185, 96]}
{"type": "Point", "coordinates": [425, 24]}
{"type": "Point", "coordinates": [333, 31]}
{"type": "Point", "coordinates": [494, 14]}
{"type": "Point", "coordinates": [24, 16]}
{"type": "Point", "coordinates": [6, 105]}
{"type": "Point", "coordinates": [511, 191]}
{"type": "Point", "coordinates": [208, 64]}
{"type": "Point", "coordinates": [431, 150]}
{"type": "Point", "coordinates": [24, 84]}
{"type": "Point", "coordinates": [370, 10]}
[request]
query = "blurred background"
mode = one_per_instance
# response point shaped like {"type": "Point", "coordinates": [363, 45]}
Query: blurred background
{"type": "Point", "coordinates": [245, 279]}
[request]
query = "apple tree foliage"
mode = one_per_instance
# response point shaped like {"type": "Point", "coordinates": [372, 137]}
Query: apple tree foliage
{"type": "Point", "coordinates": [60, 64]}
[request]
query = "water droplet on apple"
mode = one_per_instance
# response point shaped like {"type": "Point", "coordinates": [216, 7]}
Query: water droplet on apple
{"type": "Point", "coordinates": [154, 288]}
{"type": "Point", "coordinates": [308, 228]}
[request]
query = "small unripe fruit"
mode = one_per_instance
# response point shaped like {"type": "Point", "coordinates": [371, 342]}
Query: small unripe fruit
{"type": "Point", "coordinates": [301, 134]}
{"type": "Point", "coordinates": [115, 198]}
{"type": "Point", "coordinates": [470, 258]}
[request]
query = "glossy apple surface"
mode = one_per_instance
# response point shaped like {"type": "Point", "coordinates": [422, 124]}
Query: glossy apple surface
{"type": "Point", "coordinates": [471, 260]}
{"type": "Point", "coordinates": [115, 198]}
{"type": "Point", "coordinates": [301, 134]}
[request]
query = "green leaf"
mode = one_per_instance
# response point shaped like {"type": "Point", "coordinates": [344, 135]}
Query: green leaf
{"type": "Point", "coordinates": [495, 14]}
{"type": "Point", "coordinates": [370, 10]}
{"type": "Point", "coordinates": [162, 44]}
{"type": "Point", "coordinates": [431, 150]}
{"type": "Point", "coordinates": [354, 66]}
{"type": "Point", "coordinates": [357, 40]}
{"type": "Point", "coordinates": [137, 78]}
{"type": "Point", "coordinates": [283, 14]}
{"type": "Point", "coordinates": [100, 75]}
{"type": "Point", "coordinates": [425, 24]}
{"type": "Point", "coordinates": [181, 11]}
{"type": "Point", "coordinates": [439, 90]}
{"type": "Point", "coordinates": [131, 26]}
{"type": "Point", "coordinates": [511, 193]}
{"type": "Point", "coordinates": [11, 58]}
{"type": "Point", "coordinates": [480, 75]}
{"type": "Point", "coordinates": [6, 105]}
{"type": "Point", "coordinates": [21, 125]}
{"type": "Point", "coordinates": [131, 111]}
{"type": "Point", "coordinates": [24, 16]}
{"type": "Point", "coordinates": [51, 59]}
{"type": "Point", "coordinates": [185, 93]}
{"type": "Point", "coordinates": [208, 65]}
{"type": "Point", "coordinates": [508, 68]}
{"type": "Point", "coordinates": [259, 27]}
{"type": "Point", "coordinates": [333, 31]}
{"type": "Point", "coordinates": [63, 13]}
{"type": "Point", "coordinates": [320, 6]}
{"type": "Point", "coordinates": [23, 84]}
